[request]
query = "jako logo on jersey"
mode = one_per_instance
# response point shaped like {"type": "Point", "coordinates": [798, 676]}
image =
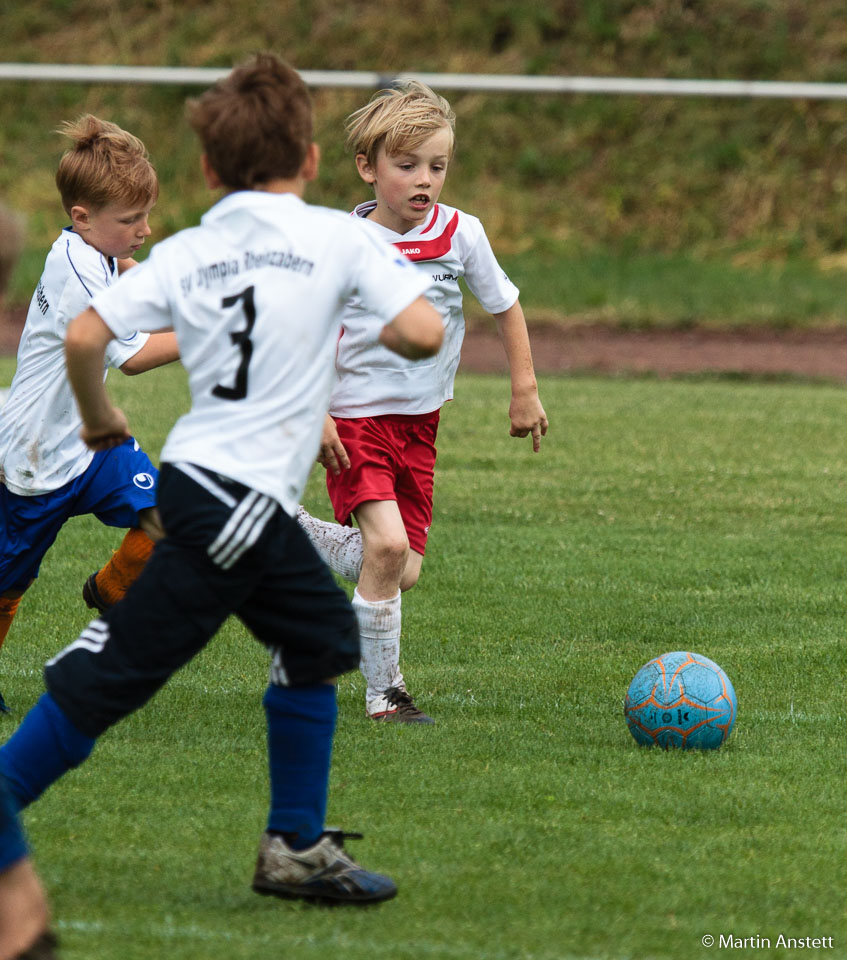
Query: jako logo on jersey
{"type": "Point", "coordinates": [431, 249]}
{"type": "Point", "coordinates": [143, 480]}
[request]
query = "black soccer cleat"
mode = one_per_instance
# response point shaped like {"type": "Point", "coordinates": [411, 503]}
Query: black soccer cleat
{"type": "Point", "coordinates": [91, 595]}
{"type": "Point", "coordinates": [397, 705]}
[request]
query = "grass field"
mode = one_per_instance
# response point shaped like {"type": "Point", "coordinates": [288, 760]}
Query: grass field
{"type": "Point", "coordinates": [527, 825]}
{"type": "Point", "coordinates": [657, 291]}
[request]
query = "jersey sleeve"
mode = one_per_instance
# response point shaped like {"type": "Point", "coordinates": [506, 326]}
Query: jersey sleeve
{"type": "Point", "coordinates": [383, 279]}
{"type": "Point", "coordinates": [84, 273]}
{"type": "Point", "coordinates": [136, 304]}
{"type": "Point", "coordinates": [119, 351]}
{"type": "Point", "coordinates": [485, 278]}
{"type": "Point", "coordinates": [88, 277]}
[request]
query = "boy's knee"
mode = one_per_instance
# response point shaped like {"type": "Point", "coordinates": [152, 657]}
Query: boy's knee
{"type": "Point", "coordinates": [151, 523]}
{"type": "Point", "coordinates": [387, 552]}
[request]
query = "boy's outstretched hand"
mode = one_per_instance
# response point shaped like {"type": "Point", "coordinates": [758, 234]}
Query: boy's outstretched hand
{"type": "Point", "coordinates": [525, 410]}
{"type": "Point", "coordinates": [528, 417]}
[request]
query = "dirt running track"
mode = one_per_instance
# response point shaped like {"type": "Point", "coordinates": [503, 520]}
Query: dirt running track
{"type": "Point", "coordinates": [601, 349]}
{"type": "Point", "coordinates": [596, 348]}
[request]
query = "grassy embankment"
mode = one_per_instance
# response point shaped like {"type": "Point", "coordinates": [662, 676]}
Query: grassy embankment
{"type": "Point", "coordinates": [637, 211]}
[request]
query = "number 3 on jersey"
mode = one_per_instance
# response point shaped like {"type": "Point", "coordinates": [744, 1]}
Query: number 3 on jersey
{"type": "Point", "coordinates": [240, 339]}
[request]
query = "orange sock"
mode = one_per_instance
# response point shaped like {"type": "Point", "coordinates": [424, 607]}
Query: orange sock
{"type": "Point", "coordinates": [8, 609]}
{"type": "Point", "coordinates": [126, 564]}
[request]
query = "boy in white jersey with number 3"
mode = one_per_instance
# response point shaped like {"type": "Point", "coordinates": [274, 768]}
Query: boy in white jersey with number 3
{"type": "Point", "coordinates": [254, 294]}
{"type": "Point", "coordinates": [379, 443]}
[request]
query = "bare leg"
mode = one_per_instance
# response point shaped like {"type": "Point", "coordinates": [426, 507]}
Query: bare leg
{"type": "Point", "coordinates": [151, 523]}
{"type": "Point", "coordinates": [23, 909]}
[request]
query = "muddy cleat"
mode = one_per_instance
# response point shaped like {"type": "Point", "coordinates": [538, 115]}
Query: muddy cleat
{"type": "Point", "coordinates": [397, 705]}
{"type": "Point", "coordinates": [91, 595]}
{"type": "Point", "coordinates": [324, 872]}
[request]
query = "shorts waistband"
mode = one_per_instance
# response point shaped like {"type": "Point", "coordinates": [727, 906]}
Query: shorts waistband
{"type": "Point", "coordinates": [398, 417]}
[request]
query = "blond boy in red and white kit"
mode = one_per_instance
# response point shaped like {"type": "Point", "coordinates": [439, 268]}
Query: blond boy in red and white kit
{"type": "Point", "coordinates": [379, 442]}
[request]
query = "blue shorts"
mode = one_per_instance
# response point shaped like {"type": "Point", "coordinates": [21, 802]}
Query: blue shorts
{"type": "Point", "coordinates": [12, 843]}
{"type": "Point", "coordinates": [116, 486]}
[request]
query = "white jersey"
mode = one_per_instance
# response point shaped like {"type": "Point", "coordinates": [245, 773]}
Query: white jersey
{"type": "Point", "coordinates": [40, 448]}
{"type": "Point", "coordinates": [255, 295]}
{"type": "Point", "coordinates": [372, 381]}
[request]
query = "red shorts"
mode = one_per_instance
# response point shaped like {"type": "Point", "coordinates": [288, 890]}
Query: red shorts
{"type": "Point", "coordinates": [392, 457]}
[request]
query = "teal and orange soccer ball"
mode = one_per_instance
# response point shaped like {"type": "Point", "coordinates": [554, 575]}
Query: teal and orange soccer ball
{"type": "Point", "coordinates": [681, 699]}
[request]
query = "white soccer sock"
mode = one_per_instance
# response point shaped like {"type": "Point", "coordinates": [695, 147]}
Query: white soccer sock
{"type": "Point", "coordinates": [379, 629]}
{"type": "Point", "coordinates": [339, 547]}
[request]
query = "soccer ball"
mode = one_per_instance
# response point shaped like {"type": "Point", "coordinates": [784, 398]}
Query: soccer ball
{"type": "Point", "coordinates": [680, 699]}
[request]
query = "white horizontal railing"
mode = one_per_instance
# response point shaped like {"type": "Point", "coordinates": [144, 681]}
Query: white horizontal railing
{"type": "Point", "coordinates": [492, 83]}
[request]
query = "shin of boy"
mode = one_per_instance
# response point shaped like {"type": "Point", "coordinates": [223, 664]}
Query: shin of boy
{"type": "Point", "coordinates": [47, 474]}
{"type": "Point", "coordinates": [379, 445]}
{"type": "Point", "coordinates": [254, 294]}
{"type": "Point", "coordinates": [23, 905]}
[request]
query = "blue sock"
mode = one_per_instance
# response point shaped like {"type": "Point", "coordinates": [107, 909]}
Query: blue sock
{"type": "Point", "coordinates": [45, 746]}
{"type": "Point", "coordinates": [301, 725]}
{"type": "Point", "coordinates": [12, 841]}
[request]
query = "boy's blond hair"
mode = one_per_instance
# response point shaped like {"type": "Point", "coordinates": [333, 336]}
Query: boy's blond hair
{"type": "Point", "coordinates": [399, 119]}
{"type": "Point", "coordinates": [11, 241]}
{"type": "Point", "coordinates": [255, 124]}
{"type": "Point", "coordinates": [105, 165]}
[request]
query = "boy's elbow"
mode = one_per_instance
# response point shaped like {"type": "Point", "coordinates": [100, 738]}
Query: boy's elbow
{"type": "Point", "coordinates": [425, 334]}
{"type": "Point", "coordinates": [131, 369]}
{"type": "Point", "coordinates": [74, 342]}
{"type": "Point", "coordinates": [87, 333]}
{"type": "Point", "coordinates": [431, 339]}
{"type": "Point", "coordinates": [425, 341]}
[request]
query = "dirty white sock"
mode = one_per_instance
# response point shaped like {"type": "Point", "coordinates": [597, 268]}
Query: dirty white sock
{"type": "Point", "coordinates": [339, 547]}
{"type": "Point", "coordinates": [379, 629]}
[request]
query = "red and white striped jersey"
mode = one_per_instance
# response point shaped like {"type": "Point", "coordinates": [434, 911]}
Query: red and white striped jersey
{"type": "Point", "coordinates": [372, 380]}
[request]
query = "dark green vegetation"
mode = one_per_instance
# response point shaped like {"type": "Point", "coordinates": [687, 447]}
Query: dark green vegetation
{"type": "Point", "coordinates": [712, 211]}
